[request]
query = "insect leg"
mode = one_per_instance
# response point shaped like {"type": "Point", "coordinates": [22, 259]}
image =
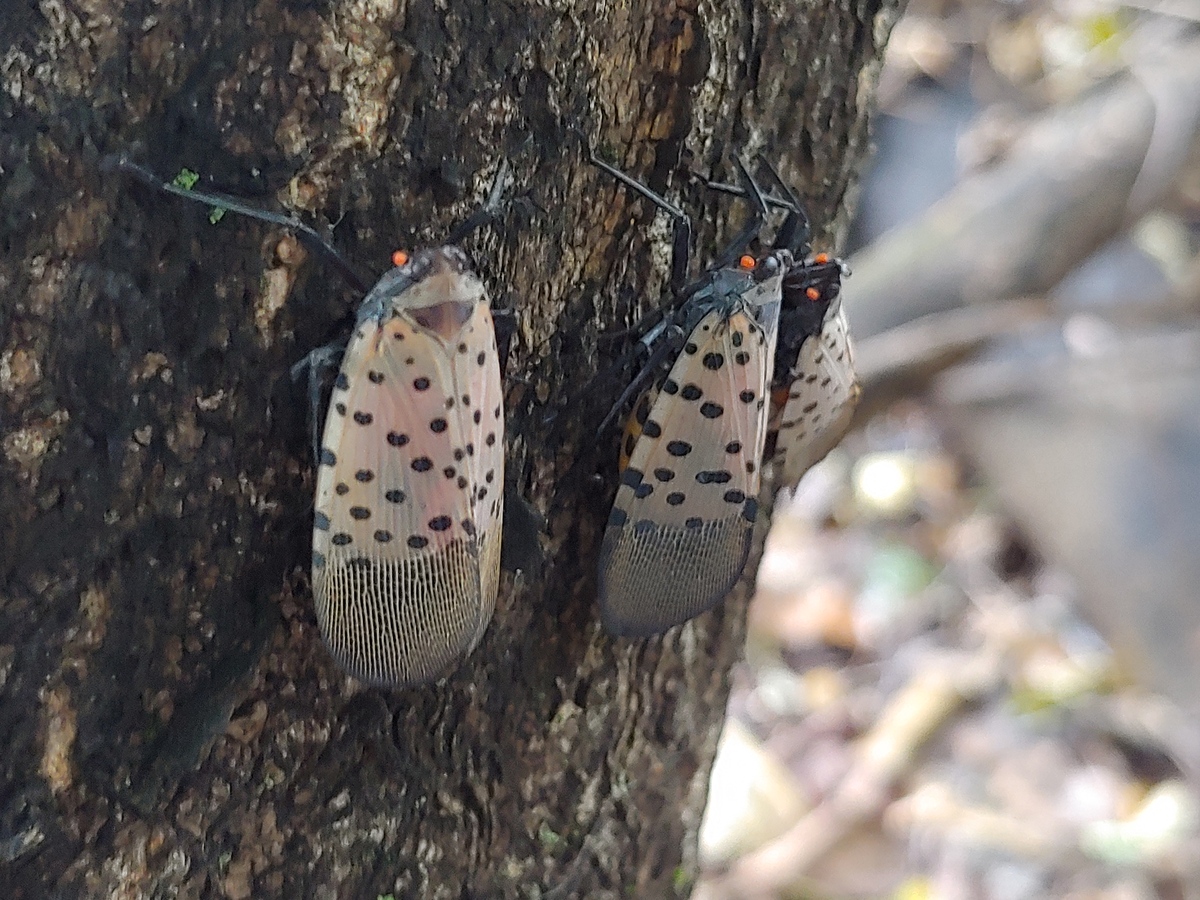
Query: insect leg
{"type": "Point", "coordinates": [316, 363]}
{"type": "Point", "coordinates": [681, 237]}
{"type": "Point", "coordinates": [753, 224]}
{"type": "Point", "coordinates": [490, 211]}
{"type": "Point", "coordinates": [307, 235]}
{"type": "Point", "coordinates": [666, 349]}
{"type": "Point", "coordinates": [723, 188]}
{"type": "Point", "coordinates": [795, 233]}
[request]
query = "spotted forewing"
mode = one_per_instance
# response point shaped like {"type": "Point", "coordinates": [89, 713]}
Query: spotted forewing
{"type": "Point", "coordinates": [681, 524]}
{"type": "Point", "coordinates": [406, 541]}
{"type": "Point", "coordinates": [815, 386]}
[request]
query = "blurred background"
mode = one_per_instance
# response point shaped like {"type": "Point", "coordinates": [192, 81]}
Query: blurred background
{"type": "Point", "coordinates": [973, 662]}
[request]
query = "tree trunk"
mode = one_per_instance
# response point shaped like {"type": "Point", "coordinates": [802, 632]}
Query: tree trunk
{"type": "Point", "coordinates": [173, 725]}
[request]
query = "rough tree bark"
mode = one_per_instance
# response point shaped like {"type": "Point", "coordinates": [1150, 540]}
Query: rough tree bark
{"type": "Point", "coordinates": [173, 726]}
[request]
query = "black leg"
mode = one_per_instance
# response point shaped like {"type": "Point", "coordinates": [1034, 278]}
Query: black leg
{"type": "Point", "coordinates": [681, 241]}
{"type": "Point", "coordinates": [795, 233]}
{"type": "Point", "coordinates": [490, 211]}
{"type": "Point", "coordinates": [736, 191]}
{"type": "Point", "coordinates": [307, 236]}
{"type": "Point", "coordinates": [753, 225]}
{"type": "Point", "coordinates": [505, 323]}
{"type": "Point", "coordinates": [316, 363]}
{"type": "Point", "coordinates": [666, 349]}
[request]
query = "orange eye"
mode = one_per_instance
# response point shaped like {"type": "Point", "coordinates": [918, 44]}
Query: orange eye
{"type": "Point", "coordinates": [399, 258]}
{"type": "Point", "coordinates": [746, 262]}
{"type": "Point", "coordinates": [822, 258]}
{"type": "Point", "coordinates": [813, 294]}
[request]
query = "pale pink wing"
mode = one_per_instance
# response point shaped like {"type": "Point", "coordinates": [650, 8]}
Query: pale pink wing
{"type": "Point", "coordinates": [406, 546]}
{"type": "Point", "coordinates": [679, 532]}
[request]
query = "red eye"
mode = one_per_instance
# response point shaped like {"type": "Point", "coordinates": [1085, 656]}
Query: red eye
{"type": "Point", "coordinates": [813, 294]}
{"type": "Point", "coordinates": [746, 262]}
{"type": "Point", "coordinates": [399, 258]}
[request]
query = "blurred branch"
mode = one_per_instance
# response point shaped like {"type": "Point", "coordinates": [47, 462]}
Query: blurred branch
{"type": "Point", "coordinates": [904, 360]}
{"type": "Point", "coordinates": [882, 757]}
{"type": "Point", "coordinates": [1063, 190]}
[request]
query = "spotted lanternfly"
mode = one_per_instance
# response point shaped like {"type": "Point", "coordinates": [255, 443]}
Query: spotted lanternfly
{"type": "Point", "coordinates": [815, 389]}
{"type": "Point", "coordinates": [410, 490]}
{"type": "Point", "coordinates": [410, 483]}
{"type": "Point", "coordinates": [680, 530]}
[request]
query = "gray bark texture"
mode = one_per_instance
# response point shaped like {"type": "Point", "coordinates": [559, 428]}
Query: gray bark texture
{"type": "Point", "coordinates": [173, 726]}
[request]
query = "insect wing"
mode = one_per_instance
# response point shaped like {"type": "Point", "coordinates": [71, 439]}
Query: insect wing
{"type": "Point", "coordinates": [822, 398]}
{"type": "Point", "coordinates": [680, 529]}
{"type": "Point", "coordinates": [406, 543]}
